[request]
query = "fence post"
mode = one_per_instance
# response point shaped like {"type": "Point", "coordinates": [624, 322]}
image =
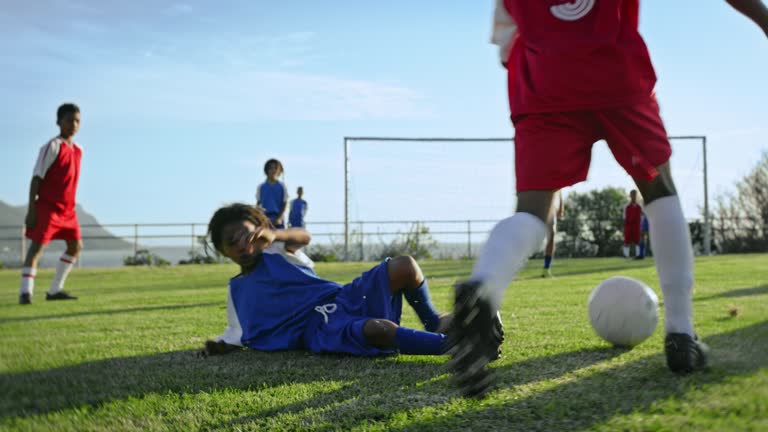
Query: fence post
{"type": "Point", "coordinates": [192, 250]}
{"type": "Point", "coordinates": [362, 246]}
{"type": "Point", "coordinates": [135, 239]}
{"type": "Point", "coordinates": [469, 239]}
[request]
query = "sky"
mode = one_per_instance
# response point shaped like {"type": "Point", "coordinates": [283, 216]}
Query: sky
{"type": "Point", "coordinates": [182, 102]}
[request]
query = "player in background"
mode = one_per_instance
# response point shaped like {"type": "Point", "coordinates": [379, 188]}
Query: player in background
{"type": "Point", "coordinates": [299, 209]}
{"type": "Point", "coordinates": [579, 71]}
{"type": "Point", "coordinates": [51, 211]}
{"type": "Point", "coordinates": [549, 249]}
{"type": "Point", "coordinates": [277, 302]}
{"type": "Point", "coordinates": [633, 215]}
{"type": "Point", "coordinates": [644, 243]}
{"type": "Point", "coordinates": [272, 195]}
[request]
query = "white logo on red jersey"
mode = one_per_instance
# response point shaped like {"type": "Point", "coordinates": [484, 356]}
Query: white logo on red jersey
{"type": "Point", "coordinates": [572, 11]}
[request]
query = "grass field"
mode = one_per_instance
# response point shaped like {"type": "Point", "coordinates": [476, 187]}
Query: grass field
{"type": "Point", "coordinates": [123, 358]}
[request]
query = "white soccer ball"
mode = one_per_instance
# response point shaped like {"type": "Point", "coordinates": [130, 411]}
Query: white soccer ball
{"type": "Point", "coordinates": [623, 311]}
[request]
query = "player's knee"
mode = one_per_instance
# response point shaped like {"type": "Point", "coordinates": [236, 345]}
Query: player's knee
{"type": "Point", "coordinates": [74, 248]}
{"type": "Point", "coordinates": [380, 333]}
{"type": "Point", "coordinates": [404, 272]}
{"type": "Point", "coordinates": [661, 186]}
{"type": "Point", "coordinates": [537, 203]}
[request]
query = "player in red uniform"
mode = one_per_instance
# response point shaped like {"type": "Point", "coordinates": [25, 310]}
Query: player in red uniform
{"type": "Point", "coordinates": [578, 72]}
{"type": "Point", "coordinates": [51, 213]}
{"type": "Point", "coordinates": [633, 215]}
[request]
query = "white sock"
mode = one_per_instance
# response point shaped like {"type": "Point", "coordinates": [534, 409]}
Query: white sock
{"type": "Point", "coordinates": [63, 267]}
{"type": "Point", "coordinates": [27, 280]}
{"type": "Point", "coordinates": [673, 256]}
{"type": "Point", "coordinates": [626, 251]}
{"type": "Point", "coordinates": [509, 245]}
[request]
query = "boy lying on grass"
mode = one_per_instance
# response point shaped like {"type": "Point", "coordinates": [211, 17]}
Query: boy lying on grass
{"type": "Point", "coordinates": [277, 302]}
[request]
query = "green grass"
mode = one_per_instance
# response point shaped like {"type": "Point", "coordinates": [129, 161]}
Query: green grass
{"type": "Point", "coordinates": [123, 358]}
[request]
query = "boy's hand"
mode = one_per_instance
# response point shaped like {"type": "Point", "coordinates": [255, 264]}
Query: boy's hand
{"type": "Point", "coordinates": [31, 219]}
{"type": "Point", "coordinates": [216, 348]}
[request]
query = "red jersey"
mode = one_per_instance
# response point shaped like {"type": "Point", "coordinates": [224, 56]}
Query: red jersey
{"type": "Point", "coordinates": [59, 167]}
{"type": "Point", "coordinates": [633, 214]}
{"type": "Point", "coordinates": [573, 55]}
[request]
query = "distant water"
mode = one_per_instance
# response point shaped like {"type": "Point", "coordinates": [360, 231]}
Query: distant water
{"type": "Point", "coordinates": [98, 258]}
{"type": "Point", "coordinates": [174, 254]}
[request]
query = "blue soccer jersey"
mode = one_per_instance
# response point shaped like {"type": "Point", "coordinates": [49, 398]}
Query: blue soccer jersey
{"type": "Point", "coordinates": [272, 197]}
{"type": "Point", "coordinates": [274, 302]}
{"type": "Point", "coordinates": [298, 211]}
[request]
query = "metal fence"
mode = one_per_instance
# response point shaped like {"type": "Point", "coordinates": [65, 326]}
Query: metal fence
{"type": "Point", "coordinates": [365, 240]}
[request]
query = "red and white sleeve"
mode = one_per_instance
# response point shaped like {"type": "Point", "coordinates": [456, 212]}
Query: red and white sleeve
{"type": "Point", "coordinates": [46, 157]}
{"type": "Point", "coordinates": [504, 31]}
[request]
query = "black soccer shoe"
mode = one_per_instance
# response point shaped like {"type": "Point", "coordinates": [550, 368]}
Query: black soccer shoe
{"type": "Point", "coordinates": [477, 338]}
{"type": "Point", "coordinates": [25, 299]}
{"type": "Point", "coordinates": [61, 295]}
{"type": "Point", "coordinates": [685, 353]}
{"type": "Point", "coordinates": [498, 338]}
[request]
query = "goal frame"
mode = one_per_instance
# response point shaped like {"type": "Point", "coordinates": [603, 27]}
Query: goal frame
{"type": "Point", "coordinates": [350, 139]}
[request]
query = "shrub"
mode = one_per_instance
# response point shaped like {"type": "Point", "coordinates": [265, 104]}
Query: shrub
{"type": "Point", "coordinates": [143, 257]}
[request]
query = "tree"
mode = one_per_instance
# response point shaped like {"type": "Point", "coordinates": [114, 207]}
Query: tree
{"type": "Point", "coordinates": [740, 222]}
{"type": "Point", "coordinates": [594, 222]}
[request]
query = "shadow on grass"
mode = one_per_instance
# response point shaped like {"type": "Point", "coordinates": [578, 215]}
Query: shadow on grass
{"type": "Point", "coordinates": [399, 389]}
{"type": "Point", "coordinates": [108, 312]}
{"type": "Point", "coordinates": [382, 391]}
{"type": "Point", "coordinates": [632, 387]}
{"type": "Point", "coordinates": [619, 264]}
{"type": "Point", "coordinates": [741, 292]}
{"type": "Point", "coordinates": [364, 380]}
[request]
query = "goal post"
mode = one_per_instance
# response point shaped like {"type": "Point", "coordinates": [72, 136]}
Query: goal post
{"type": "Point", "coordinates": [348, 140]}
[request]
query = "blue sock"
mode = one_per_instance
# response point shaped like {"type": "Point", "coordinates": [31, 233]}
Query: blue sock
{"type": "Point", "coordinates": [642, 249]}
{"type": "Point", "coordinates": [422, 304]}
{"type": "Point", "coordinates": [547, 262]}
{"type": "Point", "coordinates": [409, 341]}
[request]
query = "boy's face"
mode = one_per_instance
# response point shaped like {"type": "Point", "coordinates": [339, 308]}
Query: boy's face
{"type": "Point", "coordinates": [237, 243]}
{"type": "Point", "coordinates": [633, 196]}
{"type": "Point", "coordinates": [273, 170]}
{"type": "Point", "coordinates": [299, 192]}
{"type": "Point", "coordinates": [69, 124]}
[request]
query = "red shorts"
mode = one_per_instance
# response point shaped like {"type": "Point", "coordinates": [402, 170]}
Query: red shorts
{"type": "Point", "coordinates": [53, 225]}
{"type": "Point", "coordinates": [553, 150]}
{"type": "Point", "coordinates": [632, 233]}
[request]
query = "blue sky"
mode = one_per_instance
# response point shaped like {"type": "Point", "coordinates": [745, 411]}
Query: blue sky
{"type": "Point", "coordinates": [182, 102]}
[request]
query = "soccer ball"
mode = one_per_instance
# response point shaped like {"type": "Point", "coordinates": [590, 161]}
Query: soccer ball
{"type": "Point", "coordinates": [623, 311]}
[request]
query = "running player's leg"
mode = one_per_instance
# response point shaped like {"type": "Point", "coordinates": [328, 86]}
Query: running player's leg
{"type": "Point", "coordinates": [552, 151]}
{"type": "Point", "coordinates": [639, 142]}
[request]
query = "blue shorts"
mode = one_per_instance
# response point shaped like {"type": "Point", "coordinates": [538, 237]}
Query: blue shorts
{"type": "Point", "coordinates": [337, 327]}
{"type": "Point", "coordinates": [644, 225]}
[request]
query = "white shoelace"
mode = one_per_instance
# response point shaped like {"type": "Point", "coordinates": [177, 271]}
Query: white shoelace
{"type": "Point", "coordinates": [326, 309]}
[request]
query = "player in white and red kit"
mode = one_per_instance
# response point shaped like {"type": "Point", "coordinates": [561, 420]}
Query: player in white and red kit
{"type": "Point", "coordinates": [578, 72]}
{"type": "Point", "coordinates": [633, 216]}
{"type": "Point", "coordinates": [51, 213]}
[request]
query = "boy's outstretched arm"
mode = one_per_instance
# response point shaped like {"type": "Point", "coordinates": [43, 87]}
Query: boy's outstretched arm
{"type": "Point", "coordinates": [217, 348]}
{"type": "Point", "coordinates": [294, 238]}
{"type": "Point", "coordinates": [754, 10]}
{"type": "Point", "coordinates": [230, 340]}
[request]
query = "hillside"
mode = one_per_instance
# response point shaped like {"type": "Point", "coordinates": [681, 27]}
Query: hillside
{"type": "Point", "coordinates": [97, 237]}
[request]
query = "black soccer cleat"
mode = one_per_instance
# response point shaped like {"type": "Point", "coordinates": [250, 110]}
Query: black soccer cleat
{"type": "Point", "coordinates": [685, 353]}
{"type": "Point", "coordinates": [477, 333]}
{"type": "Point", "coordinates": [25, 299]}
{"type": "Point", "coordinates": [61, 295]}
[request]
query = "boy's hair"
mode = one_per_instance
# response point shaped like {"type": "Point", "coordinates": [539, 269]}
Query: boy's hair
{"type": "Point", "coordinates": [234, 213]}
{"type": "Point", "coordinates": [273, 161]}
{"type": "Point", "coordinates": [64, 109]}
